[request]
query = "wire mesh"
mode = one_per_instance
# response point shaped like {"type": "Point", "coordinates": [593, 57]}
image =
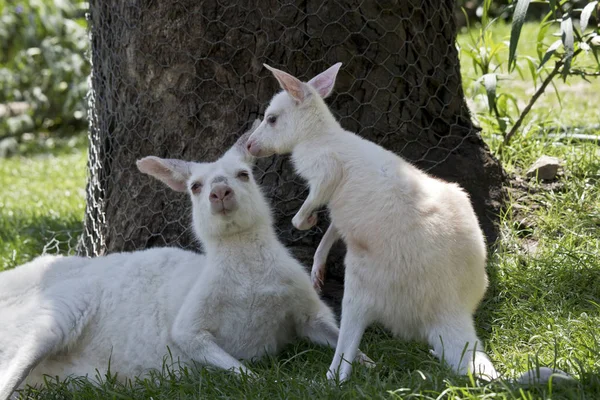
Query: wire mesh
{"type": "Point", "coordinates": [182, 79]}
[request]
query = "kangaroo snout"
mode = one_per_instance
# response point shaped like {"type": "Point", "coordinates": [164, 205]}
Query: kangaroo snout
{"type": "Point", "coordinates": [253, 147]}
{"type": "Point", "coordinates": [257, 149]}
{"type": "Point", "coordinates": [222, 199]}
{"type": "Point", "coordinates": [220, 193]}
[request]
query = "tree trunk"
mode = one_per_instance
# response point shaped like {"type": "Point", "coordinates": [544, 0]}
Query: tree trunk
{"type": "Point", "coordinates": [183, 79]}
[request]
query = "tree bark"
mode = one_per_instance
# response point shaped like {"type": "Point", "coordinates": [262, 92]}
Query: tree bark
{"type": "Point", "coordinates": [183, 79]}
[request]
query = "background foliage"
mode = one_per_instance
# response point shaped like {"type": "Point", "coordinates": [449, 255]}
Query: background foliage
{"type": "Point", "coordinates": [43, 67]}
{"type": "Point", "coordinates": [567, 45]}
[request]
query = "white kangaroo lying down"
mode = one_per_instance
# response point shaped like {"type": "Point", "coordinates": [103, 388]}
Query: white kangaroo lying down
{"type": "Point", "coordinates": [246, 297]}
{"type": "Point", "coordinates": [415, 252]}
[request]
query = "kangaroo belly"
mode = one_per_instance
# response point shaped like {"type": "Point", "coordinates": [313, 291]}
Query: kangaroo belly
{"type": "Point", "coordinates": [408, 293]}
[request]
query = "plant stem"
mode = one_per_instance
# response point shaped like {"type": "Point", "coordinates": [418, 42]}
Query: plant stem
{"type": "Point", "coordinates": [532, 101]}
{"type": "Point", "coordinates": [576, 72]}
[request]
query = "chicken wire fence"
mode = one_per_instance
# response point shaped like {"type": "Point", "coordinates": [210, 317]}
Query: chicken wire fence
{"type": "Point", "coordinates": [183, 79]}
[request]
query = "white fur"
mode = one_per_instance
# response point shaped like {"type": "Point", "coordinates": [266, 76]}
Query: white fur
{"type": "Point", "coordinates": [245, 298]}
{"type": "Point", "coordinates": [416, 254]}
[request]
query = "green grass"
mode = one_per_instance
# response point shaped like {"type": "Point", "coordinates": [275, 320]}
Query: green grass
{"type": "Point", "coordinates": [542, 306]}
{"type": "Point", "coordinates": [41, 200]}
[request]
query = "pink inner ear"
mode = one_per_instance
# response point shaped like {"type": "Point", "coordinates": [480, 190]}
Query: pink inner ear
{"type": "Point", "coordinates": [290, 84]}
{"type": "Point", "coordinates": [150, 166]}
{"type": "Point", "coordinates": [160, 170]}
{"type": "Point", "coordinates": [323, 83]}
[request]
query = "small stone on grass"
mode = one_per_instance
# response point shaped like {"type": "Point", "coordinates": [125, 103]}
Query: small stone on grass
{"type": "Point", "coordinates": [544, 168]}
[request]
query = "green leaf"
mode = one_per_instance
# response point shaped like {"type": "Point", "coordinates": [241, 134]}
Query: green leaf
{"type": "Point", "coordinates": [553, 47]}
{"type": "Point", "coordinates": [502, 124]}
{"type": "Point", "coordinates": [586, 14]}
{"type": "Point", "coordinates": [509, 97]}
{"type": "Point", "coordinates": [469, 30]}
{"type": "Point", "coordinates": [566, 33]}
{"type": "Point", "coordinates": [490, 82]}
{"type": "Point", "coordinates": [553, 7]}
{"type": "Point", "coordinates": [532, 69]}
{"type": "Point", "coordinates": [519, 70]}
{"type": "Point", "coordinates": [544, 26]}
{"type": "Point", "coordinates": [515, 32]}
{"type": "Point", "coordinates": [486, 8]}
{"type": "Point", "coordinates": [594, 51]}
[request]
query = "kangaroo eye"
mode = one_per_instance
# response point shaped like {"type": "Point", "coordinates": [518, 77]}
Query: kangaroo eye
{"type": "Point", "coordinates": [196, 187]}
{"type": "Point", "coordinates": [271, 119]}
{"type": "Point", "coordinates": [243, 175]}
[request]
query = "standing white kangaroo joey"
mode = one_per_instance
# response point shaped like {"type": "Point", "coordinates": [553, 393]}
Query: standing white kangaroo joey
{"type": "Point", "coordinates": [246, 297]}
{"type": "Point", "coordinates": [416, 255]}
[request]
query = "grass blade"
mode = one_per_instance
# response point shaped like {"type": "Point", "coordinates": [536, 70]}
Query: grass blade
{"type": "Point", "coordinates": [486, 8]}
{"type": "Point", "coordinates": [515, 32]}
{"type": "Point", "coordinates": [586, 14]}
{"type": "Point", "coordinates": [558, 97]}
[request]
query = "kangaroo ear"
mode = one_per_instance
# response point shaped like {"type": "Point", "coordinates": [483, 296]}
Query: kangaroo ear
{"type": "Point", "coordinates": [290, 84]}
{"type": "Point", "coordinates": [240, 145]}
{"type": "Point", "coordinates": [174, 173]}
{"type": "Point", "coordinates": [323, 83]}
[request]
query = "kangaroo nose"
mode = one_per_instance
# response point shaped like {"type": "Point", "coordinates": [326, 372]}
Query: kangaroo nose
{"type": "Point", "coordinates": [253, 147]}
{"type": "Point", "coordinates": [220, 193]}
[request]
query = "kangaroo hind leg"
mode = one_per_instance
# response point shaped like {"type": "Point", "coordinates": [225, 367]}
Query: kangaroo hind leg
{"type": "Point", "coordinates": [34, 335]}
{"type": "Point", "coordinates": [455, 342]}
